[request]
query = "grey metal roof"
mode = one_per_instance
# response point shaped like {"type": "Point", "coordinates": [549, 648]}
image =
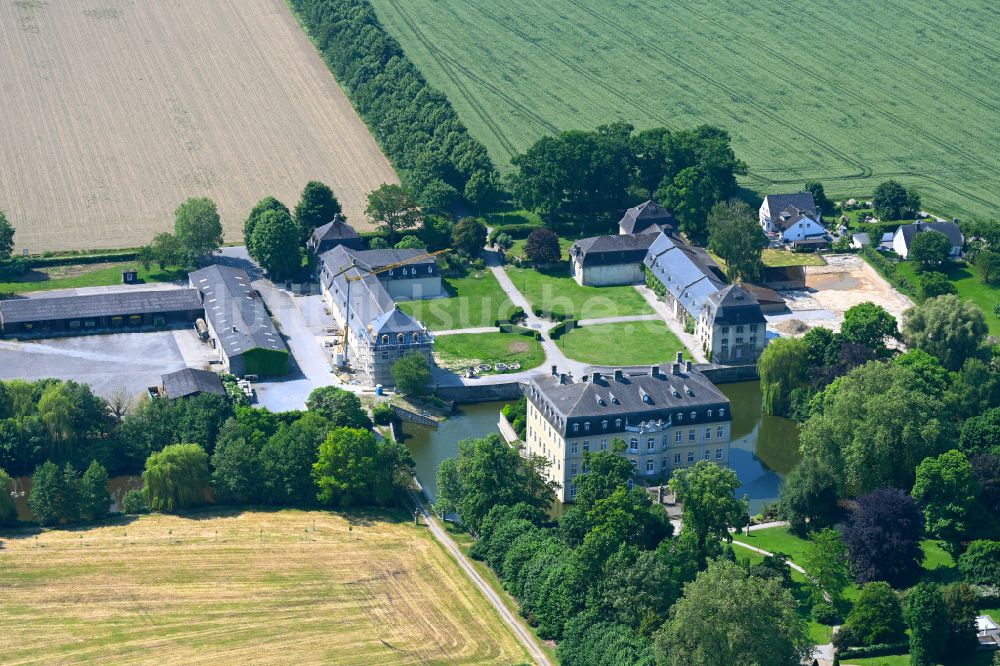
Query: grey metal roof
{"type": "Point", "coordinates": [107, 304]}
{"type": "Point", "coordinates": [647, 214]}
{"type": "Point", "coordinates": [337, 229]}
{"type": "Point", "coordinates": [804, 201]}
{"type": "Point", "coordinates": [190, 381]}
{"type": "Point", "coordinates": [735, 305]}
{"type": "Point", "coordinates": [618, 249]}
{"type": "Point", "coordinates": [951, 231]}
{"type": "Point", "coordinates": [236, 311]}
{"type": "Point", "coordinates": [371, 305]}
{"type": "Point", "coordinates": [687, 279]}
{"type": "Point", "coordinates": [636, 395]}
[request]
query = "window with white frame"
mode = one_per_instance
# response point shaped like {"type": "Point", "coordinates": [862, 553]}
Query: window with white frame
{"type": "Point", "coordinates": [604, 445]}
{"type": "Point", "coordinates": [572, 469]}
{"type": "Point", "coordinates": [618, 423]}
{"type": "Point", "coordinates": [651, 444]}
{"type": "Point", "coordinates": [576, 427]}
{"type": "Point", "coordinates": [708, 433]}
{"type": "Point", "coordinates": [604, 424]}
{"type": "Point", "coordinates": [649, 465]}
{"type": "Point", "coordinates": [693, 415]}
{"type": "Point", "coordinates": [718, 454]}
{"type": "Point", "coordinates": [691, 435]}
{"type": "Point", "coordinates": [722, 411]}
{"type": "Point", "coordinates": [677, 459]}
{"type": "Point", "coordinates": [575, 448]}
{"type": "Point", "coordinates": [572, 490]}
{"type": "Point", "coordinates": [690, 456]}
{"type": "Point", "coordinates": [718, 432]}
{"type": "Point", "coordinates": [586, 426]}
{"type": "Point", "coordinates": [586, 445]}
{"type": "Point", "coordinates": [678, 436]}
{"type": "Point", "coordinates": [710, 413]}
{"type": "Point", "coordinates": [708, 454]}
{"type": "Point", "coordinates": [633, 443]}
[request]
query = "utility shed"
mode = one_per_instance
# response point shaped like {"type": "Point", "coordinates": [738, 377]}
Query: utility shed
{"type": "Point", "coordinates": [70, 314]}
{"type": "Point", "coordinates": [190, 381]}
{"type": "Point", "coordinates": [238, 322]}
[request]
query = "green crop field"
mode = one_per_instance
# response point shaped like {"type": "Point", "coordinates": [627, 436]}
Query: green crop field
{"type": "Point", "coordinates": [844, 91]}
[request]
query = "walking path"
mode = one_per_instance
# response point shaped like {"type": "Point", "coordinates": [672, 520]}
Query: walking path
{"type": "Point", "coordinates": [618, 320]}
{"type": "Point", "coordinates": [689, 341]}
{"type": "Point", "coordinates": [460, 331]}
{"type": "Point", "coordinates": [523, 634]}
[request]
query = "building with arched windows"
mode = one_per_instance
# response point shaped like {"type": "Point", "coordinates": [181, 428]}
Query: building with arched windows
{"type": "Point", "coordinates": [669, 416]}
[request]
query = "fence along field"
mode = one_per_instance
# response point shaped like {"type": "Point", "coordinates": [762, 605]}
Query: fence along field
{"type": "Point", "coordinates": [846, 91]}
{"type": "Point", "coordinates": [113, 116]}
{"type": "Point", "coordinates": [276, 587]}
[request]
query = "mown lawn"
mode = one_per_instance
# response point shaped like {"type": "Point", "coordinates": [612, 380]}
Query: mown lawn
{"type": "Point", "coordinates": [476, 300]}
{"type": "Point", "coordinates": [244, 587]}
{"type": "Point", "coordinates": [969, 286]}
{"type": "Point", "coordinates": [557, 291]}
{"type": "Point", "coordinates": [517, 250]}
{"type": "Point", "coordinates": [773, 257]}
{"type": "Point", "coordinates": [627, 343]}
{"type": "Point", "coordinates": [457, 352]}
{"type": "Point", "coordinates": [84, 275]}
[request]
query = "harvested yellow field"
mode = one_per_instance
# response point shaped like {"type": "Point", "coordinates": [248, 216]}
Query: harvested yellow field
{"type": "Point", "coordinates": [237, 588]}
{"type": "Point", "coordinates": [116, 111]}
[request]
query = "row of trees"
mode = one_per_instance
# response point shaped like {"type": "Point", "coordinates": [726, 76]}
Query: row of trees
{"type": "Point", "coordinates": [197, 234]}
{"type": "Point", "coordinates": [610, 581]}
{"type": "Point", "coordinates": [63, 496]}
{"type": "Point", "coordinates": [588, 172]}
{"type": "Point", "coordinates": [414, 124]}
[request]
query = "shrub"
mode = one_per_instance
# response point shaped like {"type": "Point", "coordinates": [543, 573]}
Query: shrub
{"type": "Point", "coordinates": [880, 650]}
{"type": "Point", "coordinates": [980, 563]}
{"type": "Point", "coordinates": [520, 330]}
{"type": "Point", "coordinates": [134, 502]}
{"type": "Point", "coordinates": [934, 283]}
{"type": "Point", "coordinates": [176, 478]}
{"type": "Point", "coordinates": [542, 247]}
{"type": "Point", "coordinates": [877, 616]}
{"type": "Point", "coordinates": [516, 231]}
{"type": "Point", "coordinates": [825, 613]}
{"type": "Point", "coordinates": [412, 374]}
{"type": "Point", "coordinates": [562, 328]}
{"type": "Point", "coordinates": [383, 414]}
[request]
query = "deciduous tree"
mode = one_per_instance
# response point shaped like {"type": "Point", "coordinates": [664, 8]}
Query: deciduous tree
{"type": "Point", "coordinates": [980, 563]}
{"type": "Point", "coordinates": [316, 207]}
{"type": "Point", "coordinates": [355, 469]}
{"type": "Point", "coordinates": [815, 188]}
{"type": "Point", "coordinates": [892, 201]}
{"type": "Point", "coordinates": [946, 490]}
{"type": "Point", "coordinates": [926, 615]}
{"type": "Point", "coordinates": [877, 616]}
{"type": "Point", "coordinates": [95, 500]}
{"type": "Point", "coordinates": [6, 237]}
{"type": "Point", "coordinates": [883, 538]}
{"type": "Point", "coordinates": [343, 409]}
{"type": "Point", "coordinates": [783, 367]}
{"type": "Point", "coordinates": [808, 497]}
{"type": "Point", "coordinates": [275, 243]}
{"type": "Point", "coordinates": [469, 236]}
{"type": "Point", "coordinates": [960, 602]}
{"type": "Point", "coordinates": [262, 206]}
{"type": "Point", "coordinates": [932, 284]}
{"type": "Point", "coordinates": [392, 210]}
{"type": "Point", "coordinates": [735, 235]}
{"type": "Point", "coordinates": [948, 327]}
{"type": "Point", "coordinates": [869, 325]}
{"type": "Point", "coordinates": [930, 249]}
{"type": "Point", "coordinates": [707, 493]}
{"type": "Point", "coordinates": [987, 265]}
{"type": "Point", "coordinates": [827, 563]}
{"type": "Point", "coordinates": [8, 508]}
{"type": "Point", "coordinates": [729, 617]}
{"type": "Point", "coordinates": [412, 374]}
{"type": "Point", "coordinates": [197, 227]}
{"type": "Point", "coordinates": [287, 460]}
{"type": "Point", "coordinates": [176, 478]}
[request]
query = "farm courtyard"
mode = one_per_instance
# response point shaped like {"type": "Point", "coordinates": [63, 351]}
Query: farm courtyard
{"type": "Point", "coordinates": [115, 113]}
{"type": "Point", "coordinates": [303, 587]}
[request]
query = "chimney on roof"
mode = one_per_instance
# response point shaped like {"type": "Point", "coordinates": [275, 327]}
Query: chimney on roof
{"type": "Point", "coordinates": [654, 371]}
{"type": "Point", "coordinates": [563, 379]}
{"type": "Point", "coordinates": [680, 357]}
{"type": "Point", "coordinates": [675, 368]}
{"type": "Point", "coordinates": [687, 366]}
{"type": "Point", "coordinates": [555, 371]}
{"type": "Point", "coordinates": [585, 378]}
{"type": "Point", "coordinates": [597, 377]}
{"type": "Point", "coordinates": [619, 375]}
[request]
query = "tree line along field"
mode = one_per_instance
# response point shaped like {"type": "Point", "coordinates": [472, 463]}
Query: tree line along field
{"type": "Point", "coordinates": [113, 116]}
{"type": "Point", "coordinates": [846, 92]}
{"type": "Point", "coordinates": [303, 587]}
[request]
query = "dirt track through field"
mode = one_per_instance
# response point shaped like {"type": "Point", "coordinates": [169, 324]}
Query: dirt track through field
{"type": "Point", "coordinates": [252, 587]}
{"type": "Point", "coordinates": [114, 113]}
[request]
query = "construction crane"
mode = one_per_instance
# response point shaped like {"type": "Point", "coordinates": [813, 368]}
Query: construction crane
{"type": "Point", "coordinates": [355, 278]}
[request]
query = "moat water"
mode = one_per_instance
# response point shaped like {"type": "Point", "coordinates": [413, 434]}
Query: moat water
{"type": "Point", "coordinates": [762, 451]}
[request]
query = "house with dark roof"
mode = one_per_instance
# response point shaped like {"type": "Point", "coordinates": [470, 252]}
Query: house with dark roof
{"type": "Point", "coordinates": [798, 227]}
{"type": "Point", "coordinates": [647, 217]}
{"type": "Point", "coordinates": [337, 232]}
{"type": "Point", "coordinates": [239, 324]}
{"type": "Point", "coordinates": [191, 381]}
{"type": "Point", "coordinates": [902, 240]}
{"type": "Point", "coordinates": [121, 310]}
{"type": "Point", "coordinates": [732, 327]}
{"type": "Point", "coordinates": [378, 333]}
{"type": "Point", "coordinates": [610, 260]}
{"type": "Point", "coordinates": [775, 204]}
{"type": "Point", "coordinates": [670, 416]}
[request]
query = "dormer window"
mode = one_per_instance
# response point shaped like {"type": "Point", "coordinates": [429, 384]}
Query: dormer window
{"type": "Point", "coordinates": [430, 269]}
{"type": "Point", "coordinates": [710, 413]}
{"type": "Point", "coordinates": [404, 271]}
{"type": "Point", "coordinates": [399, 339]}
{"type": "Point", "coordinates": [576, 427]}
{"type": "Point", "coordinates": [722, 412]}
{"type": "Point", "coordinates": [385, 339]}
{"type": "Point", "coordinates": [680, 416]}
{"type": "Point", "coordinates": [586, 426]}
{"type": "Point", "coordinates": [416, 338]}
{"type": "Point", "coordinates": [604, 425]}
{"type": "Point", "coordinates": [693, 415]}
{"type": "Point", "coordinates": [618, 423]}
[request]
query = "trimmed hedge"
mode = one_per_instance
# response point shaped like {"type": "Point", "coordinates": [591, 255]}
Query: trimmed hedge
{"type": "Point", "coordinates": [517, 231]}
{"type": "Point", "coordinates": [877, 650]}
{"type": "Point", "coordinates": [550, 314]}
{"type": "Point", "coordinates": [516, 313]}
{"type": "Point", "coordinates": [562, 328]}
{"type": "Point", "coordinates": [414, 124]}
{"type": "Point", "coordinates": [887, 269]}
{"type": "Point", "coordinates": [520, 330]}
{"type": "Point", "coordinates": [71, 260]}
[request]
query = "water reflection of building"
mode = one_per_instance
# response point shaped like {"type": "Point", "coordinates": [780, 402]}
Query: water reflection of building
{"type": "Point", "coordinates": [670, 416]}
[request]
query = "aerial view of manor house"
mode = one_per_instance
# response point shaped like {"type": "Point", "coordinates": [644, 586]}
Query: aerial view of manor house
{"type": "Point", "coordinates": [500, 332]}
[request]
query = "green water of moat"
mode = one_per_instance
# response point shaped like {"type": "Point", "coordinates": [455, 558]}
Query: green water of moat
{"type": "Point", "coordinates": [762, 451]}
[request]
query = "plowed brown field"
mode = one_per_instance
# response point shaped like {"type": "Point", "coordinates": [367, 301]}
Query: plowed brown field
{"type": "Point", "coordinates": [244, 588]}
{"type": "Point", "coordinates": [116, 111]}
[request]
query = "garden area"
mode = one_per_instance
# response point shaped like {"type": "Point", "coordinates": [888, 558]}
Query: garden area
{"type": "Point", "coordinates": [87, 275]}
{"type": "Point", "coordinates": [624, 343]}
{"type": "Point", "coordinates": [968, 285]}
{"type": "Point", "coordinates": [556, 291]}
{"type": "Point", "coordinates": [462, 350]}
{"type": "Point", "coordinates": [474, 301]}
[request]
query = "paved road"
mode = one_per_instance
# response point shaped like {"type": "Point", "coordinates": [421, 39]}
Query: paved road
{"type": "Point", "coordinates": [528, 639]}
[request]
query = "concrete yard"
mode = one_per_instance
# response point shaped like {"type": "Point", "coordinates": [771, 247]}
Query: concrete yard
{"type": "Point", "coordinates": [831, 290]}
{"type": "Point", "coordinates": [107, 363]}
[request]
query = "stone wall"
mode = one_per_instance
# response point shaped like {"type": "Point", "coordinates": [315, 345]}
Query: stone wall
{"type": "Point", "coordinates": [728, 374]}
{"type": "Point", "coordinates": [480, 393]}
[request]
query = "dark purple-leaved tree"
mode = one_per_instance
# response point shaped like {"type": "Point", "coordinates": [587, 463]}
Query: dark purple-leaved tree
{"type": "Point", "coordinates": [883, 538]}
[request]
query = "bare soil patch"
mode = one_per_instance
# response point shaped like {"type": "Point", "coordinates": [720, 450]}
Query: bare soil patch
{"type": "Point", "coordinates": [115, 114]}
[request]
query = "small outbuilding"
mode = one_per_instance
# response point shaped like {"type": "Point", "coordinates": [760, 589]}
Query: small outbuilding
{"type": "Point", "coordinates": [861, 240]}
{"type": "Point", "coordinates": [189, 381]}
{"type": "Point", "coordinates": [602, 261]}
{"type": "Point", "coordinates": [336, 232]}
{"type": "Point", "coordinates": [647, 217]}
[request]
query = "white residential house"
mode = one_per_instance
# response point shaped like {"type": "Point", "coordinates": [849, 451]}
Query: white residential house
{"type": "Point", "coordinates": [795, 226]}
{"type": "Point", "coordinates": [775, 204]}
{"type": "Point", "coordinates": [902, 240]}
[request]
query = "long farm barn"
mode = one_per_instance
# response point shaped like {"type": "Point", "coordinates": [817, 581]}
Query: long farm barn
{"type": "Point", "coordinates": [115, 112]}
{"type": "Point", "coordinates": [844, 91]}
